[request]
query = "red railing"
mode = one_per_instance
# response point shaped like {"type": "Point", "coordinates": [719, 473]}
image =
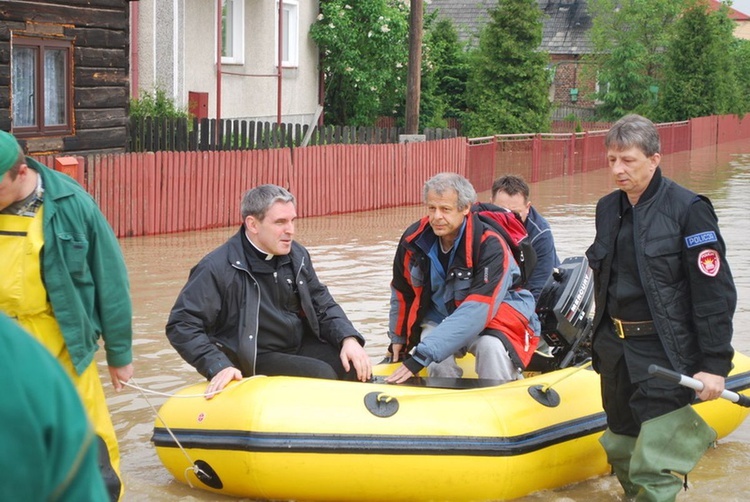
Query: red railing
{"type": "Point", "coordinates": [164, 192]}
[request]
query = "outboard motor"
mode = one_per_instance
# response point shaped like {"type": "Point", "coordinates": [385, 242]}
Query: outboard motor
{"type": "Point", "coordinates": [565, 309]}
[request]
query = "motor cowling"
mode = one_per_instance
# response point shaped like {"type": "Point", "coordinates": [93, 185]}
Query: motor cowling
{"type": "Point", "coordinates": [565, 309]}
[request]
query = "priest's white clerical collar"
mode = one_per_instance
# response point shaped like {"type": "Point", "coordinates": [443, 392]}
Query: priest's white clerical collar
{"type": "Point", "coordinates": [269, 256]}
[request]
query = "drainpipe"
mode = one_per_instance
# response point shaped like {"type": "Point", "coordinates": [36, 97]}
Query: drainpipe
{"type": "Point", "coordinates": [280, 59]}
{"type": "Point", "coordinates": [134, 49]}
{"type": "Point", "coordinates": [218, 65]}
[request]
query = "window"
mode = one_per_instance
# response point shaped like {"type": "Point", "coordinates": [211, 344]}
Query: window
{"type": "Point", "coordinates": [289, 34]}
{"type": "Point", "coordinates": [41, 83]}
{"type": "Point", "coordinates": [233, 32]}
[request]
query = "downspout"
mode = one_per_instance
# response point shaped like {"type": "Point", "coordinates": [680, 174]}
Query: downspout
{"type": "Point", "coordinates": [134, 29]}
{"type": "Point", "coordinates": [280, 59]}
{"type": "Point", "coordinates": [218, 65]}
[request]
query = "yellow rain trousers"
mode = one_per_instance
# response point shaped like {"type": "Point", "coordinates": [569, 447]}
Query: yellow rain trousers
{"type": "Point", "coordinates": [24, 297]}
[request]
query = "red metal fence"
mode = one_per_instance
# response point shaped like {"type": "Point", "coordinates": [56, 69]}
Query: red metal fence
{"type": "Point", "coordinates": [164, 192]}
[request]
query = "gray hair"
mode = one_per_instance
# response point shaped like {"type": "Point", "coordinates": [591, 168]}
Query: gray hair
{"type": "Point", "coordinates": [258, 200]}
{"type": "Point", "coordinates": [441, 183]}
{"type": "Point", "coordinates": [634, 131]}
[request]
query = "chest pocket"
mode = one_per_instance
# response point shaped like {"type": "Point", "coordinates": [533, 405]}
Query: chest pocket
{"type": "Point", "coordinates": [665, 259]}
{"type": "Point", "coordinates": [460, 279]}
{"type": "Point", "coordinates": [596, 254]}
{"type": "Point", "coordinates": [74, 248]}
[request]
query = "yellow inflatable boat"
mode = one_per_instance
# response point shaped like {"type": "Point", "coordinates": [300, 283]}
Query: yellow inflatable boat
{"type": "Point", "coordinates": [303, 439]}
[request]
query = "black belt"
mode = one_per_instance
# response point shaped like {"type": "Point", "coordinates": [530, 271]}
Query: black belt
{"type": "Point", "coordinates": [625, 329]}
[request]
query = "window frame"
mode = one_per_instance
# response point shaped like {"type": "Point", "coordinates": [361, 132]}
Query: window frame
{"type": "Point", "coordinates": [237, 33]}
{"type": "Point", "coordinates": [292, 30]}
{"type": "Point", "coordinates": [41, 44]}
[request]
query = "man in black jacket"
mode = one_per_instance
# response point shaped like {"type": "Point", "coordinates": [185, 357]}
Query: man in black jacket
{"type": "Point", "coordinates": [255, 306]}
{"type": "Point", "coordinates": [664, 295]}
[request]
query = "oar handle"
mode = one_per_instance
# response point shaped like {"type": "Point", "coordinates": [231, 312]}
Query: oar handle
{"type": "Point", "coordinates": [694, 384]}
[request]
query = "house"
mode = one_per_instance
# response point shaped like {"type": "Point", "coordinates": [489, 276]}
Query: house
{"type": "Point", "coordinates": [741, 19]}
{"type": "Point", "coordinates": [64, 74]}
{"type": "Point", "coordinates": [175, 49]}
{"type": "Point", "coordinates": [564, 37]}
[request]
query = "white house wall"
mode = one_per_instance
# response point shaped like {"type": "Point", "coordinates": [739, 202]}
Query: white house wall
{"type": "Point", "coordinates": [179, 56]}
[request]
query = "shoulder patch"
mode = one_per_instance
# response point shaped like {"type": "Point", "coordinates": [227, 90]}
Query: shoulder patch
{"type": "Point", "coordinates": [692, 241]}
{"type": "Point", "coordinates": [709, 262]}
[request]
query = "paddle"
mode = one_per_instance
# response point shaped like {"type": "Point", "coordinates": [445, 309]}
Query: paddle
{"type": "Point", "coordinates": [694, 384]}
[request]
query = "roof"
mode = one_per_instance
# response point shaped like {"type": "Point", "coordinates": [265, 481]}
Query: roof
{"type": "Point", "coordinates": [733, 13]}
{"type": "Point", "coordinates": [566, 22]}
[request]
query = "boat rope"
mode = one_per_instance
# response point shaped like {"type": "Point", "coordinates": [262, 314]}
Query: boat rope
{"type": "Point", "coordinates": [193, 465]}
{"type": "Point", "coordinates": [585, 365]}
{"type": "Point", "coordinates": [182, 396]}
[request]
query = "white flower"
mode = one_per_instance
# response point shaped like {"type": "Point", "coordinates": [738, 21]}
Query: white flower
{"type": "Point", "coordinates": [349, 69]}
{"type": "Point", "coordinates": [385, 28]}
{"type": "Point", "coordinates": [373, 88]}
{"type": "Point", "coordinates": [331, 26]}
{"type": "Point", "coordinates": [320, 16]}
{"type": "Point", "coordinates": [399, 65]}
{"type": "Point", "coordinates": [369, 34]}
{"type": "Point", "coordinates": [347, 6]}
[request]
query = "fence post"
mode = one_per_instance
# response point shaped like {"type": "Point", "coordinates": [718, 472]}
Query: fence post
{"type": "Point", "coordinates": [536, 157]}
{"type": "Point", "coordinates": [585, 153]}
{"type": "Point", "coordinates": [571, 154]}
{"type": "Point", "coordinates": [71, 167]}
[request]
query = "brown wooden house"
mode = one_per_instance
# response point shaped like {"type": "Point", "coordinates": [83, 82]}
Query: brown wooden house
{"type": "Point", "coordinates": [64, 66]}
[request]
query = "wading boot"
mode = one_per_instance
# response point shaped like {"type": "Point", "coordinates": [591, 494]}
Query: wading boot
{"type": "Point", "coordinates": [619, 449]}
{"type": "Point", "coordinates": [668, 446]}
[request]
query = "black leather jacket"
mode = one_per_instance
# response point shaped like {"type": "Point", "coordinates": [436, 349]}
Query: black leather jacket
{"type": "Point", "coordinates": [214, 322]}
{"type": "Point", "coordinates": [692, 310]}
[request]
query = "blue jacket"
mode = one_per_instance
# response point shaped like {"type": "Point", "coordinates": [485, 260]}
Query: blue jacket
{"type": "Point", "coordinates": [540, 236]}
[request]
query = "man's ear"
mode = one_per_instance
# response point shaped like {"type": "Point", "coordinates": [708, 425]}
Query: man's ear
{"type": "Point", "coordinates": [251, 225]}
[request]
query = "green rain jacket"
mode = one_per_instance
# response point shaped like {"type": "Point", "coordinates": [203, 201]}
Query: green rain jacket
{"type": "Point", "coordinates": [84, 273]}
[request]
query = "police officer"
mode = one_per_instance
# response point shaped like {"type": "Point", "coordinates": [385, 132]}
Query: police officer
{"type": "Point", "coordinates": [664, 295]}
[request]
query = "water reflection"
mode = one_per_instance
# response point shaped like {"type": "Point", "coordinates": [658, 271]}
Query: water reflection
{"type": "Point", "coordinates": [353, 253]}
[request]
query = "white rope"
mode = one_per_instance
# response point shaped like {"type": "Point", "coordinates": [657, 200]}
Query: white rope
{"type": "Point", "coordinates": [193, 466]}
{"type": "Point", "coordinates": [144, 390]}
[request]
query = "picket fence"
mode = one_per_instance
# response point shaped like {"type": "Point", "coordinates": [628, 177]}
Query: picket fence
{"type": "Point", "coordinates": [165, 192]}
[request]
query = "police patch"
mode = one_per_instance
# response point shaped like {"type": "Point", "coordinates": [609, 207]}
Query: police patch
{"type": "Point", "coordinates": [699, 239]}
{"type": "Point", "coordinates": [708, 262]}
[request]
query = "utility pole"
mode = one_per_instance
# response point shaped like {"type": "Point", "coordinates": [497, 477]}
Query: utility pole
{"type": "Point", "coordinates": [414, 77]}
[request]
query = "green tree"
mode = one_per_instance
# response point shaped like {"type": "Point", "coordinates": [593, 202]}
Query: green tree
{"type": "Point", "coordinates": [451, 66]}
{"type": "Point", "coordinates": [700, 77]}
{"type": "Point", "coordinates": [741, 58]}
{"type": "Point", "coordinates": [629, 39]}
{"type": "Point", "coordinates": [364, 51]}
{"type": "Point", "coordinates": [508, 86]}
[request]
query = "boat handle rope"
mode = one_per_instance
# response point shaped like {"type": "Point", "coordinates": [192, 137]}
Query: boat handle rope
{"type": "Point", "coordinates": [585, 365]}
{"type": "Point", "coordinates": [193, 465]}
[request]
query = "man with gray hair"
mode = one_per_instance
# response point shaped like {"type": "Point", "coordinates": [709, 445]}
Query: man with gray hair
{"type": "Point", "coordinates": [456, 288]}
{"type": "Point", "coordinates": [665, 296]}
{"type": "Point", "coordinates": [255, 306]}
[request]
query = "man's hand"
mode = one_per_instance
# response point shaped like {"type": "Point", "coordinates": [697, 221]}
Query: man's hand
{"type": "Point", "coordinates": [713, 386]}
{"type": "Point", "coordinates": [396, 348]}
{"type": "Point", "coordinates": [352, 351]}
{"type": "Point", "coordinates": [119, 375]}
{"type": "Point", "coordinates": [221, 379]}
{"type": "Point", "coordinates": [401, 375]}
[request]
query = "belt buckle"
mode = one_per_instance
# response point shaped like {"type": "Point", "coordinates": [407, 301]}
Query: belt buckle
{"type": "Point", "coordinates": [618, 327]}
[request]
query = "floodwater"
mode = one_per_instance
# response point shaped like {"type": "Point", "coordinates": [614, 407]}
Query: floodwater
{"type": "Point", "coordinates": [353, 253]}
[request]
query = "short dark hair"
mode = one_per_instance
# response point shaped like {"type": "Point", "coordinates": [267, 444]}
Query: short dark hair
{"type": "Point", "coordinates": [257, 201]}
{"type": "Point", "coordinates": [511, 185]}
{"type": "Point", "coordinates": [634, 131]}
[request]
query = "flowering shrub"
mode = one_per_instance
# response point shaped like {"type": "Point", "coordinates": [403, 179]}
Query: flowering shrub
{"type": "Point", "coordinates": [364, 52]}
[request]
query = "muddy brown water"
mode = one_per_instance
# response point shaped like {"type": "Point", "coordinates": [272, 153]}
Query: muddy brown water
{"type": "Point", "coordinates": [352, 254]}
